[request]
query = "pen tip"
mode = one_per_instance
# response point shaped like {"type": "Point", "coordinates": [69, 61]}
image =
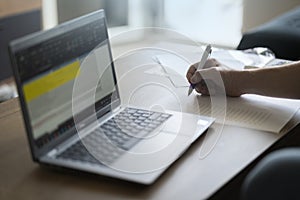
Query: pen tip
{"type": "Point", "coordinates": [190, 91]}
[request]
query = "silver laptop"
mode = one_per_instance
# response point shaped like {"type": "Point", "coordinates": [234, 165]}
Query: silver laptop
{"type": "Point", "coordinates": [73, 113]}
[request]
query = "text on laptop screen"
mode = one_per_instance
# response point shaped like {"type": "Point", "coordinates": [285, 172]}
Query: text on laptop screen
{"type": "Point", "coordinates": [49, 68]}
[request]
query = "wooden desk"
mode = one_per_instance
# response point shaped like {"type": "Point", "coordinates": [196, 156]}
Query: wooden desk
{"type": "Point", "coordinates": [191, 177]}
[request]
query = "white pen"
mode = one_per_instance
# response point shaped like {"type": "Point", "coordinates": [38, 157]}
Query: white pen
{"type": "Point", "coordinates": [202, 62]}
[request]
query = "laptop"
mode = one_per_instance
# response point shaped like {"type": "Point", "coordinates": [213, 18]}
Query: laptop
{"type": "Point", "coordinates": [72, 110]}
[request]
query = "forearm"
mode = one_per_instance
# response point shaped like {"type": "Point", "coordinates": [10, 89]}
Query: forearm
{"type": "Point", "coordinates": [281, 81]}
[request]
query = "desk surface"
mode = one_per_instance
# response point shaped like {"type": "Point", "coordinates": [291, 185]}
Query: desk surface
{"type": "Point", "coordinates": [197, 174]}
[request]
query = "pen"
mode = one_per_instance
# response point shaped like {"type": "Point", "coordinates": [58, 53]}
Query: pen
{"type": "Point", "coordinates": [204, 58]}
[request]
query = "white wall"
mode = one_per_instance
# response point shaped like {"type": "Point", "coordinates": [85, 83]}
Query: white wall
{"type": "Point", "coordinates": [217, 22]}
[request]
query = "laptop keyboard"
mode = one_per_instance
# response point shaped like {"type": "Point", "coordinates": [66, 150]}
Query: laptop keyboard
{"type": "Point", "coordinates": [115, 136]}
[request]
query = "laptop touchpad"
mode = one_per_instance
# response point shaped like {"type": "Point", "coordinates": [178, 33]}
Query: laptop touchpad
{"type": "Point", "coordinates": [185, 124]}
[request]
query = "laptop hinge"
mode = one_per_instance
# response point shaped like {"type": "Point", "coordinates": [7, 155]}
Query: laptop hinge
{"type": "Point", "coordinates": [117, 109]}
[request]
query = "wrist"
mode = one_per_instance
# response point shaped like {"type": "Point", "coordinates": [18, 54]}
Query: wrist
{"type": "Point", "coordinates": [234, 82]}
{"type": "Point", "coordinates": [251, 81]}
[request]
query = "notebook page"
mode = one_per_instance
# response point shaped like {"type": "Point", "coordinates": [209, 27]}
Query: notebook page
{"type": "Point", "coordinates": [251, 111]}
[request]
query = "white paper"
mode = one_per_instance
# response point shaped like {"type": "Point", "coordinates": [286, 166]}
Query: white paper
{"type": "Point", "coordinates": [227, 59]}
{"type": "Point", "coordinates": [173, 64]}
{"type": "Point", "coordinates": [237, 60]}
{"type": "Point", "coordinates": [252, 111]}
{"type": "Point", "coordinates": [173, 67]}
{"type": "Point", "coordinates": [277, 62]}
{"type": "Point", "coordinates": [176, 80]}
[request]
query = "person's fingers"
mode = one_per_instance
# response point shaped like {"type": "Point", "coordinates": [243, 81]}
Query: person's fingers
{"type": "Point", "coordinates": [211, 63]}
{"type": "Point", "coordinates": [196, 78]}
{"type": "Point", "coordinates": [201, 87]}
{"type": "Point", "coordinates": [193, 68]}
{"type": "Point", "coordinates": [203, 91]}
{"type": "Point", "coordinates": [190, 72]}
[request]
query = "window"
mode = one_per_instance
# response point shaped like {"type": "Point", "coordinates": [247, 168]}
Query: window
{"type": "Point", "coordinates": [216, 22]}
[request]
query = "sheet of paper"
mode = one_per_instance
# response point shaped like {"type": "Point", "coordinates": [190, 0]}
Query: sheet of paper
{"type": "Point", "coordinates": [261, 115]}
{"type": "Point", "coordinates": [234, 59]}
{"type": "Point", "coordinates": [176, 80]}
{"type": "Point", "coordinates": [227, 59]}
{"type": "Point", "coordinates": [173, 64]}
{"type": "Point", "coordinates": [277, 62]}
{"type": "Point", "coordinates": [174, 67]}
{"type": "Point", "coordinates": [252, 111]}
{"type": "Point", "coordinates": [237, 60]}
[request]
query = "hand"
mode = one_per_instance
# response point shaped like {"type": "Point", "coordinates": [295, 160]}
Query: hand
{"type": "Point", "coordinates": [213, 79]}
{"type": "Point", "coordinates": [194, 76]}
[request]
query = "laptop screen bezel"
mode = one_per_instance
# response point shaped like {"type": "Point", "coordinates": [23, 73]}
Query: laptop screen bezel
{"type": "Point", "coordinates": [32, 39]}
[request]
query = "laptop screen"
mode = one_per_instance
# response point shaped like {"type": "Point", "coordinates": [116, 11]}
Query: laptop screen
{"type": "Point", "coordinates": [47, 65]}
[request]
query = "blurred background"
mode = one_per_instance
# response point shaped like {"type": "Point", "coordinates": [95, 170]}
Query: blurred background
{"type": "Point", "coordinates": [219, 22]}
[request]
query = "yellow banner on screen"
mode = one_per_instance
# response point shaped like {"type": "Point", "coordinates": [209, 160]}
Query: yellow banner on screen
{"type": "Point", "coordinates": [51, 81]}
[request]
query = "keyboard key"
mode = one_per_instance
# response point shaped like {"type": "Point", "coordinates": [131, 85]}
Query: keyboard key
{"type": "Point", "coordinates": [154, 116]}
